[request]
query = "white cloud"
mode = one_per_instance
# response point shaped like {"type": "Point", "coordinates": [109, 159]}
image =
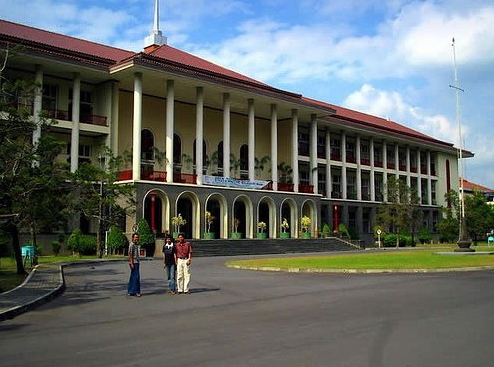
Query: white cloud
{"type": "Point", "coordinates": [392, 105]}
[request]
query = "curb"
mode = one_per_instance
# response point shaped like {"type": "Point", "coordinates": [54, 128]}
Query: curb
{"type": "Point", "coordinates": [358, 271]}
{"type": "Point", "coordinates": [20, 309]}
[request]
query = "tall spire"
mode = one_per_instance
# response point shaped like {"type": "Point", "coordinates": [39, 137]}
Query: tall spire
{"type": "Point", "coordinates": [155, 38]}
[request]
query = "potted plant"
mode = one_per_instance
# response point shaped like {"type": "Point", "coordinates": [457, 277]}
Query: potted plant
{"type": "Point", "coordinates": [284, 229]}
{"type": "Point", "coordinates": [236, 234]}
{"type": "Point", "coordinates": [305, 223]}
{"type": "Point", "coordinates": [177, 222]}
{"type": "Point", "coordinates": [262, 227]}
{"type": "Point", "coordinates": [209, 218]}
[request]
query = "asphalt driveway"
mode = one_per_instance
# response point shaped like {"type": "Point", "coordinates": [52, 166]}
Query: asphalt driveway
{"type": "Point", "coordinates": [247, 318]}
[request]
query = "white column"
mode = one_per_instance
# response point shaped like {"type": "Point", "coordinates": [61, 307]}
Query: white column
{"type": "Point", "coordinates": [409, 180]}
{"type": "Point", "coordinates": [252, 140]}
{"type": "Point", "coordinates": [429, 184]}
{"type": "Point", "coordinates": [226, 135]}
{"type": "Point", "coordinates": [170, 122]}
{"type": "Point", "coordinates": [274, 146]}
{"type": "Point", "coordinates": [358, 177]}
{"type": "Point", "coordinates": [294, 162]}
{"type": "Point", "coordinates": [115, 91]}
{"type": "Point", "coordinates": [37, 103]}
{"type": "Point", "coordinates": [313, 152]}
{"type": "Point", "coordinates": [419, 179]}
{"type": "Point", "coordinates": [199, 132]}
{"type": "Point", "coordinates": [397, 160]}
{"type": "Point", "coordinates": [372, 171]}
{"type": "Point", "coordinates": [74, 142]}
{"type": "Point", "coordinates": [329, 183]}
{"type": "Point", "coordinates": [343, 166]}
{"type": "Point", "coordinates": [385, 173]}
{"type": "Point", "coordinates": [137, 126]}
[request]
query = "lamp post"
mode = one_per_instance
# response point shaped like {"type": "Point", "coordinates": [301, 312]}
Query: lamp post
{"type": "Point", "coordinates": [463, 241]}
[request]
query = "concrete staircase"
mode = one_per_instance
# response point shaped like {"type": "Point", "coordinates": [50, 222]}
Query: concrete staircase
{"type": "Point", "coordinates": [221, 247]}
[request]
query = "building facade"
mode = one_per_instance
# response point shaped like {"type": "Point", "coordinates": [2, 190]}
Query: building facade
{"type": "Point", "coordinates": [201, 138]}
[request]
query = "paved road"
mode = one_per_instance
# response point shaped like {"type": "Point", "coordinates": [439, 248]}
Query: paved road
{"type": "Point", "coordinates": [236, 318]}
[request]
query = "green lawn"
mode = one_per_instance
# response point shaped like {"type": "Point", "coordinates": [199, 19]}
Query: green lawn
{"type": "Point", "coordinates": [389, 259]}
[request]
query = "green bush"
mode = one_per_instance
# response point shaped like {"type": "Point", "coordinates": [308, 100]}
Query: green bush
{"type": "Point", "coordinates": [389, 240]}
{"type": "Point", "coordinates": [81, 244]}
{"type": "Point", "coordinates": [87, 245]}
{"type": "Point", "coordinates": [56, 246]}
{"type": "Point", "coordinates": [425, 235]}
{"type": "Point", "coordinates": [116, 239]}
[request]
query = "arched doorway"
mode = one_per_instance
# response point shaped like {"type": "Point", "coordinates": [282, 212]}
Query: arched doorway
{"type": "Point", "coordinates": [153, 212]}
{"type": "Point", "coordinates": [289, 212]}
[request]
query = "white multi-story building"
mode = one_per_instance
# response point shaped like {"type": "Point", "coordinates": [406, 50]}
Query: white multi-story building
{"type": "Point", "coordinates": [231, 145]}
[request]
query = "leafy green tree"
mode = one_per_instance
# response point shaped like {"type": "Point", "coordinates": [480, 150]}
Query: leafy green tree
{"type": "Point", "coordinates": [99, 196]}
{"type": "Point", "coordinates": [448, 226]}
{"type": "Point", "coordinates": [32, 182]}
{"type": "Point", "coordinates": [116, 239]}
{"type": "Point", "coordinates": [401, 213]}
{"type": "Point", "coordinates": [146, 236]}
{"type": "Point", "coordinates": [480, 218]}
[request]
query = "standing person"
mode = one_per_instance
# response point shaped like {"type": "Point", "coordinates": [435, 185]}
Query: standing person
{"type": "Point", "coordinates": [184, 256]}
{"type": "Point", "coordinates": [170, 263]}
{"type": "Point", "coordinates": [134, 288]}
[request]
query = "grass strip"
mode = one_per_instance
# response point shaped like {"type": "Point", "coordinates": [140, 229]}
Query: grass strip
{"type": "Point", "coordinates": [385, 260]}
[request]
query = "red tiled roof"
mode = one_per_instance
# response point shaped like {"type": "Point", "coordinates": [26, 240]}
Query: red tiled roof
{"type": "Point", "coordinates": [374, 121]}
{"type": "Point", "coordinates": [184, 58]}
{"type": "Point", "coordinates": [470, 186]}
{"type": "Point", "coordinates": [24, 33]}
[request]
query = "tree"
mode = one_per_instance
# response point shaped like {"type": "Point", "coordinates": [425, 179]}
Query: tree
{"type": "Point", "coordinates": [116, 239]}
{"type": "Point", "coordinates": [32, 183]}
{"type": "Point", "coordinates": [99, 196]}
{"type": "Point", "coordinates": [146, 236]}
{"type": "Point", "coordinates": [479, 216]}
{"type": "Point", "coordinates": [401, 213]}
{"type": "Point", "coordinates": [448, 226]}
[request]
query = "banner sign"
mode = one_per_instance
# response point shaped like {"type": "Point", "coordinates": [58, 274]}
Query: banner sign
{"type": "Point", "coordinates": [233, 182]}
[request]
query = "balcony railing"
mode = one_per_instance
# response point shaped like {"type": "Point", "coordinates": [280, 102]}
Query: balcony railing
{"type": "Point", "coordinates": [85, 118]}
{"type": "Point", "coordinates": [306, 189]}
{"type": "Point", "coordinates": [285, 186]}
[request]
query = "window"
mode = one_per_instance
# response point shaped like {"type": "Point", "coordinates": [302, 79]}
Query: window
{"type": "Point", "coordinates": [244, 157]}
{"type": "Point", "coordinates": [50, 93]}
{"type": "Point", "coordinates": [220, 155]}
{"type": "Point", "coordinates": [303, 142]}
{"type": "Point", "coordinates": [85, 105]}
{"type": "Point", "coordinates": [336, 149]}
{"type": "Point", "coordinates": [350, 151]}
{"type": "Point", "coordinates": [177, 149]}
{"type": "Point", "coordinates": [321, 145]}
{"type": "Point", "coordinates": [147, 145]}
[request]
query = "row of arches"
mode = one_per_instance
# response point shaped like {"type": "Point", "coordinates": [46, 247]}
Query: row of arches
{"type": "Point", "coordinates": [233, 214]}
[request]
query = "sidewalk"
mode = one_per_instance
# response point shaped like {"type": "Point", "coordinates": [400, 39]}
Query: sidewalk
{"type": "Point", "coordinates": [42, 284]}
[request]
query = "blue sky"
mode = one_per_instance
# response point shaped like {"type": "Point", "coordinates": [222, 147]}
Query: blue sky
{"type": "Point", "coordinates": [389, 58]}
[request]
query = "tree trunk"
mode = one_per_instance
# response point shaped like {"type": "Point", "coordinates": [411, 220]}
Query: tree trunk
{"type": "Point", "coordinates": [14, 232]}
